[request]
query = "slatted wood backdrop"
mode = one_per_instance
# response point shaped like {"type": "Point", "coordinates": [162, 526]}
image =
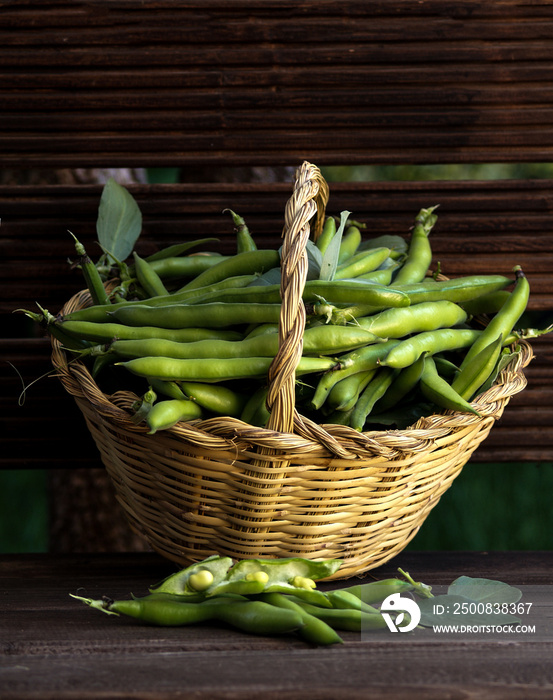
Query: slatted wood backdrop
{"type": "Point", "coordinates": [216, 84]}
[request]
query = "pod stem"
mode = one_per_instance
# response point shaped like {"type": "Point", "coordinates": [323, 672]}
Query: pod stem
{"type": "Point", "coordinates": [102, 604]}
{"type": "Point", "coordinates": [424, 590]}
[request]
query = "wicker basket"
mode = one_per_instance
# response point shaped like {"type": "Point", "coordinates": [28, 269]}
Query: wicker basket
{"type": "Point", "coordinates": [294, 488]}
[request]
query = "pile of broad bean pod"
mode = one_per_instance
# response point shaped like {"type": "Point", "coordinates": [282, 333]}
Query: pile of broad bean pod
{"type": "Point", "coordinates": [385, 341]}
{"type": "Point", "coordinates": [264, 596]}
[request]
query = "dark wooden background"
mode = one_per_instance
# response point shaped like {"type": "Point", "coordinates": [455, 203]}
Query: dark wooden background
{"type": "Point", "coordinates": [232, 91]}
{"type": "Point", "coordinates": [242, 82]}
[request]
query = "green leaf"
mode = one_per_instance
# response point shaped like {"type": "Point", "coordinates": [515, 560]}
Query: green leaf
{"type": "Point", "coordinates": [272, 276]}
{"type": "Point", "coordinates": [484, 590]}
{"type": "Point", "coordinates": [330, 258]}
{"type": "Point", "coordinates": [119, 222]}
{"type": "Point", "coordinates": [315, 260]}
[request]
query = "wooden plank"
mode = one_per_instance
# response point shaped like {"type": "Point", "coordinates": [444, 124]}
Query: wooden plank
{"type": "Point", "coordinates": [422, 83]}
{"type": "Point", "coordinates": [46, 634]}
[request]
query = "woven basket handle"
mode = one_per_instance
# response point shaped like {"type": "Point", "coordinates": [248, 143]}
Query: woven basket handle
{"type": "Point", "coordinates": [309, 199]}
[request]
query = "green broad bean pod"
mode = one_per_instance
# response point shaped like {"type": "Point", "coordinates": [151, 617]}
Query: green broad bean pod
{"type": "Point", "coordinates": [334, 292]}
{"type": "Point", "coordinates": [188, 267]}
{"type": "Point", "coordinates": [102, 313]}
{"type": "Point", "coordinates": [212, 315]}
{"type": "Point", "coordinates": [458, 289]}
{"type": "Point", "coordinates": [247, 263]}
{"type": "Point", "coordinates": [383, 276]}
{"type": "Point", "coordinates": [504, 320]}
{"type": "Point", "coordinates": [148, 278]}
{"type": "Point", "coordinates": [374, 390]}
{"type": "Point", "coordinates": [165, 414]}
{"type": "Point", "coordinates": [377, 591]}
{"type": "Point", "coordinates": [349, 619]}
{"type": "Point", "coordinates": [430, 342]}
{"type": "Point", "coordinates": [419, 254]}
{"type": "Point", "coordinates": [487, 303]}
{"type": "Point", "coordinates": [349, 243]}
{"type": "Point", "coordinates": [361, 263]}
{"type": "Point", "coordinates": [173, 251]}
{"type": "Point", "coordinates": [481, 366]}
{"type": "Point", "coordinates": [416, 318]}
{"type": "Point", "coordinates": [361, 360]}
{"type": "Point", "coordinates": [206, 370]}
{"type": "Point", "coordinates": [402, 384]}
{"type": "Point", "coordinates": [244, 240]}
{"type": "Point", "coordinates": [319, 340]}
{"type": "Point", "coordinates": [255, 411]}
{"type": "Point", "coordinates": [217, 399]}
{"type": "Point", "coordinates": [91, 275]}
{"type": "Point", "coordinates": [219, 575]}
{"type": "Point", "coordinates": [251, 616]}
{"type": "Point", "coordinates": [327, 234]}
{"type": "Point", "coordinates": [440, 392]}
{"type": "Point", "coordinates": [313, 629]}
{"type": "Point", "coordinates": [344, 395]}
{"type": "Point", "coordinates": [180, 583]}
{"type": "Point", "coordinates": [171, 390]}
{"type": "Point", "coordinates": [106, 332]}
{"type": "Point", "coordinates": [343, 599]}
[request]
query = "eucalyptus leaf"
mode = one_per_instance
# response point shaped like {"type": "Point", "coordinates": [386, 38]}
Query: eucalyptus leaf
{"type": "Point", "coordinates": [119, 222]}
{"type": "Point", "coordinates": [330, 258]}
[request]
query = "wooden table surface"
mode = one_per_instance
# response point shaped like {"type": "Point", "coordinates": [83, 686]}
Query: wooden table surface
{"type": "Point", "coordinates": [53, 647]}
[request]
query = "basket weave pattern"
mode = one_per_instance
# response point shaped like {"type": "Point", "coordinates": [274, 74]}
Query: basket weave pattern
{"type": "Point", "coordinates": [294, 488]}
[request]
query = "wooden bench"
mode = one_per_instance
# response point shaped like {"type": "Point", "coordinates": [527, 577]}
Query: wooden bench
{"type": "Point", "coordinates": [221, 89]}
